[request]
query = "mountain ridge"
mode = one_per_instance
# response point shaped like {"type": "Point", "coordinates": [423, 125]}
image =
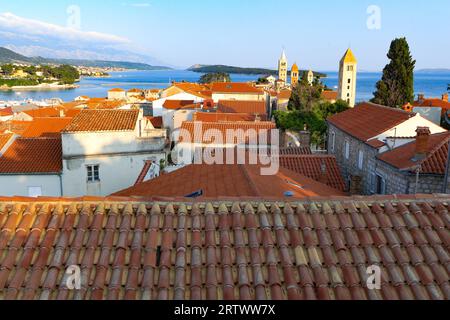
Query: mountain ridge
{"type": "Point", "coordinates": [9, 56]}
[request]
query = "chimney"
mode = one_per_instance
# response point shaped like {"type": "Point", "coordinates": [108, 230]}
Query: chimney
{"type": "Point", "coordinates": [423, 136]}
{"type": "Point", "coordinates": [421, 97]}
{"type": "Point", "coordinates": [323, 178]}
{"type": "Point", "coordinates": [445, 97]}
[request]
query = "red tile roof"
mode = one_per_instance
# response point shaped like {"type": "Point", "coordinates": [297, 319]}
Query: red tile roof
{"type": "Point", "coordinates": [36, 155]}
{"type": "Point", "coordinates": [311, 166]}
{"type": "Point", "coordinates": [295, 151]}
{"type": "Point", "coordinates": [143, 174]}
{"type": "Point", "coordinates": [235, 87]}
{"type": "Point", "coordinates": [330, 95]}
{"type": "Point", "coordinates": [177, 104]}
{"type": "Point", "coordinates": [5, 138]}
{"type": "Point", "coordinates": [229, 181]}
{"type": "Point", "coordinates": [202, 132]}
{"type": "Point", "coordinates": [368, 120]}
{"type": "Point", "coordinates": [4, 112]}
{"type": "Point", "coordinates": [435, 161]}
{"type": "Point", "coordinates": [432, 102]}
{"type": "Point", "coordinates": [226, 117]}
{"type": "Point", "coordinates": [247, 250]}
{"type": "Point", "coordinates": [103, 120]}
{"type": "Point", "coordinates": [157, 122]}
{"type": "Point", "coordinates": [46, 127]}
{"type": "Point", "coordinates": [17, 127]}
{"type": "Point", "coordinates": [236, 106]}
{"type": "Point", "coordinates": [284, 94]}
{"type": "Point", "coordinates": [44, 112]}
{"type": "Point", "coordinates": [375, 143]}
{"type": "Point", "coordinates": [117, 90]}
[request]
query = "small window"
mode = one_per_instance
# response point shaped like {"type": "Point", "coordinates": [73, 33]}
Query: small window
{"type": "Point", "coordinates": [360, 160]}
{"type": "Point", "coordinates": [349, 81]}
{"type": "Point", "coordinates": [34, 192]}
{"type": "Point", "coordinates": [93, 173]}
{"type": "Point", "coordinates": [348, 95]}
{"type": "Point", "coordinates": [380, 185]}
{"type": "Point", "coordinates": [347, 150]}
{"type": "Point", "coordinates": [333, 141]}
{"type": "Point", "coordinates": [348, 88]}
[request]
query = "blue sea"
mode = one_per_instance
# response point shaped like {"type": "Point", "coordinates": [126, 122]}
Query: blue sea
{"type": "Point", "coordinates": [430, 84]}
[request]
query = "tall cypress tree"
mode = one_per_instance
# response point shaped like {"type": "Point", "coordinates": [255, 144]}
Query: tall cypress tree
{"type": "Point", "coordinates": [396, 87]}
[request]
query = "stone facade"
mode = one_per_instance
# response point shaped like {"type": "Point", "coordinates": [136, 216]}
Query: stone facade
{"type": "Point", "coordinates": [404, 182]}
{"type": "Point", "coordinates": [337, 140]}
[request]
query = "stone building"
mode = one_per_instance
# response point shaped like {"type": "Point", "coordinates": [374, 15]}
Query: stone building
{"type": "Point", "coordinates": [357, 136]}
{"type": "Point", "coordinates": [416, 167]}
{"type": "Point", "coordinates": [347, 78]}
{"type": "Point", "coordinates": [282, 68]}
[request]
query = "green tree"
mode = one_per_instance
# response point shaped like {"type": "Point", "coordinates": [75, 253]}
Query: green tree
{"type": "Point", "coordinates": [8, 69]}
{"type": "Point", "coordinates": [215, 77]}
{"type": "Point", "coordinates": [396, 88]}
{"type": "Point", "coordinates": [304, 96]}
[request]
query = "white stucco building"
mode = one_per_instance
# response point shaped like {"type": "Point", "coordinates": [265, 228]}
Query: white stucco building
{"type": "Point", "coordinates": [105, 150]}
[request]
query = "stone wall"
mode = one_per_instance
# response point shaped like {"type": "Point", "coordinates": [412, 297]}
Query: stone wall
{"type": "Point", "coordinates": [349, 167]}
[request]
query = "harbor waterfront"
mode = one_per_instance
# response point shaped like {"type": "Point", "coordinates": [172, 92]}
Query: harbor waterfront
{"type": "Point", "coordinates": [432, 84]}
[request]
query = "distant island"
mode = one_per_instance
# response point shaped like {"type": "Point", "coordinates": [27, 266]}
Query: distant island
{"type": "Point", "coordinates": [9, 56]}
{"type": "Point", "coordinates": [431, 70]}
{"type": "Point", "coordinates": [238, 70]}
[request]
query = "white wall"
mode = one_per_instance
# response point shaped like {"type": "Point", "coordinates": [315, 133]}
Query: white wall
{"type": "Point", "coordinates": [216, 96]}
{"type": "Point", "coordinates": [173, 120]}
{"type": "Point", "coordinates": [409, 127]}
{"type": "Point", "coordinates": [17, 185]}
{"type": "Point", "coordinates": [116, 173]}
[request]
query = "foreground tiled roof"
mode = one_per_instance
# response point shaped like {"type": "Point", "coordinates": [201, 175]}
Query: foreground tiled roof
{"type": "Point", "coordinates": [368, 120]}
{"type": "Point", "coordinates": [284, 94]}
{"type": "Point", "coordinates": [435, 161]}
{"type": "Point", "coordinates": [6, 112]}
{"type": "Point", "coordinates": [225, 250]}
{"type": "Point", "coordinates": [35, 155]}
{"type": "Point", "coordinates": [103, 120]}
{"type": "Point", "coordinates": [157, 122]}
{"type": "Point", "coordinates": [237, 106]}
{"type": "Point", "coordinates": [311, 166]}
{"type": "Point", "coordinates": [201, 132]}
{"type": "Point", "coordinates": [235, 87]}
{"type": "Point", "coordinates": [229, 181]}
{"type": "Point", "coordinates": [46, 127]}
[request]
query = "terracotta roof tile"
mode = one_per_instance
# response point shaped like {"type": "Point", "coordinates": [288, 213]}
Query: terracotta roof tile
{"type": "Point", "coordinates": [295, 151]}
{"type": "Point", "coordinates": [225, 117]}
{"type": "Point", "coordinates": [197, 130]}
{"type": "Point", "coordinates": [435, 161]}
{"type": "Point", "coordinates": [103, 120]}
{"type": "Point", "coordinates": [329, 95]}
{"type": "Point", "coordinates": [35, 155]}
{"type": "Point", "coordinates": [312, 166]}
{"type": "Point", "coordinates": [220, 250]}
{"type": "Point", "coordinates": [46, 127]}
{"type": "Point", "coordinates": [177, 104]}
{"type": "Point", "coordinates": [44, 112]}
{"type": "Point", "coordinates": [284, 94]}
{"type": "Point", "coordinates": [157, 122]}
{"type": "Point", "coordinates": [6, 112]}
{"type": "Point", "coordinates": [237, 106]}
{"type": "Point", "coordinates": [229, 181]}
{"type": "Point", "coordinates": [368, 120]}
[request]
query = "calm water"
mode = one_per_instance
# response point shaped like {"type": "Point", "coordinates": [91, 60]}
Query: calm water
{"type": "Point", "coordinates": [429, 84]}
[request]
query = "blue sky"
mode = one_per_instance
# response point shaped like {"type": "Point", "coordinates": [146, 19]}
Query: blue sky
{"type": "Point", "coordinates": [315, 33]}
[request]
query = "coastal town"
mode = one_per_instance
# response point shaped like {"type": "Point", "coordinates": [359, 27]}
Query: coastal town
{"type": "Point", "coordinates": [277, 188]}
